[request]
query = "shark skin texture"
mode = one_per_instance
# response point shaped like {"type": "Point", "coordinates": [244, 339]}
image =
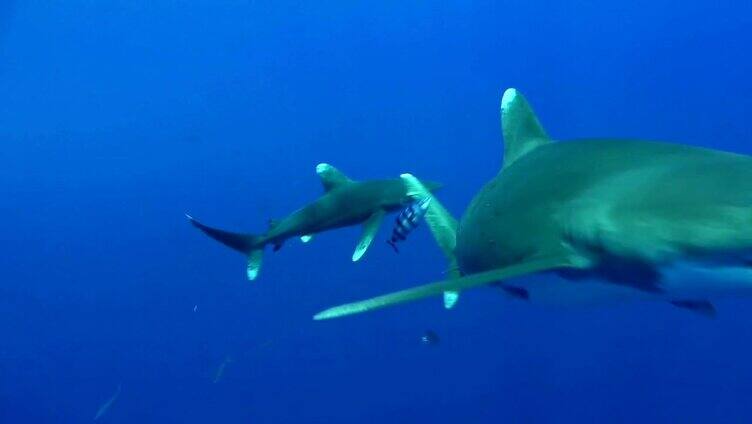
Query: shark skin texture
{"type": "Point", "coordinates": [596, 221]}
{"type": "Point", "coordinates": [345, 202]}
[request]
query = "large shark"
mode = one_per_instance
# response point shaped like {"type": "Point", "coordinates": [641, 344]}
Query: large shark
{"type": "Point", "coordinates": [344, 203]}
{"type": "Point", "coordinates": [590, 221]}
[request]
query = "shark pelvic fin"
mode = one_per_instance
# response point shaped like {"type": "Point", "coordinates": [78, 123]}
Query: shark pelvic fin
{"type": "Point", "coordinates": [454, 284]}
{"type": "Point", "coordinates": [522, 131]}
{"type": "Point", "coordinates": [443, 226]}
{"type": "Point", "coordinates": [702, 307]}
{"type": "Point", "coordinates": [306, 238]}
{"type": "Point", "coordinates": [370, 228]}
{"type": "Point", "coordinates": [331, 177]}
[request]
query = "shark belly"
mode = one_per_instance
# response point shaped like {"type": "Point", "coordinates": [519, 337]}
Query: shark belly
{"type": "Point", "coordinates": [681, 280]}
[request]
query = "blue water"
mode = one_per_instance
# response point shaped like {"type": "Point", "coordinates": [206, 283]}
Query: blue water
{"type": "Point", "coordinates": [119, 116]}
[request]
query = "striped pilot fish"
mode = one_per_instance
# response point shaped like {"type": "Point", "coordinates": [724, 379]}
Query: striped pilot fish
{"type": "Point", "coordinates": [408, 220]}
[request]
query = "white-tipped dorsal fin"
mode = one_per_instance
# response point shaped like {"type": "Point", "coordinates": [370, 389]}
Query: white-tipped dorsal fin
{"type": "Point", "coordinates": [331, 177]}
{"type": "Point", "coordinates": [522, 131]}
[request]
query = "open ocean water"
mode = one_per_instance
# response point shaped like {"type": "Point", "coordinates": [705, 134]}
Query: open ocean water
{"type": "Point", "coordinates": [117, 117]}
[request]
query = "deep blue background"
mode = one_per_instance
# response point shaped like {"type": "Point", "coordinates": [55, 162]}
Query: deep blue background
{"type": "Point", "coordinates": [116, 117]}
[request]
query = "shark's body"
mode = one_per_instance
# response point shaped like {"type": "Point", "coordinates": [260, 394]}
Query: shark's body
{"type": "Point", "coordinates": [351, 204]}
{"type": "Point", "coordinates": [651, 220]}
{"type": "Point", "coordinates": [344, 203]}
{"type": "Point", "coordinates": [597, 220]}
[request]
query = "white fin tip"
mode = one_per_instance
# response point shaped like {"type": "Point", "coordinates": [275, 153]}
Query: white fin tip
{"type": "Point", "coordinates": [509, 95]}
{"type": "Point", "coordinates": [450, 299]}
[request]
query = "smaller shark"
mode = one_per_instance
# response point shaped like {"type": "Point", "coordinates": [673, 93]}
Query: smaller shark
{"type": "Point", "coordinates": [344, 203]}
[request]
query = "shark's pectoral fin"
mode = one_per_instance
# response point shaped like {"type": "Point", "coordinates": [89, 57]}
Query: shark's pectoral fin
{"type": "Point", "coordinates": [370, 228]}
{"type": "Point", "coordinates": [451, 285]}
{"type": "Point", "coordinates": [306, 238]}
{"type": "Point", "coordinates": [702, 307]}
{"type": "Point", "coordinates": [254, 263]}
{"type": "Point", "coordinates": [443, 226]}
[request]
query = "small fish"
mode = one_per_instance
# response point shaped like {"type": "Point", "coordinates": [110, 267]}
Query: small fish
{"type": "Point", "coordinates": [430, 338]}
{"type": "Point", "coordinates": [106, 406]}
{"type": "Point", "coordinates": [195, 308]}
{"type": "Point", "coordinates": [221, 369]}
{"type": "Point", "coordinates": [407, 220]}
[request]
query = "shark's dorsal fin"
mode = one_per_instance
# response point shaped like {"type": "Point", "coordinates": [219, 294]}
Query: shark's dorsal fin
{"type": "Point", "coordinates": [522, 131]}
{"type": "Point", "coordinates": [331, 177]}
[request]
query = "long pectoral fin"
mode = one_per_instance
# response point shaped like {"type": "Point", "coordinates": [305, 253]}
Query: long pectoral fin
{"type": "Point", "coordinates": [454, 284]}
{"type": "Point", "coordinates": [451, 297]}
{"type": "Point", "coordinates": [443, 226]}
{"type": "Point", "coordinates": [370, 228]}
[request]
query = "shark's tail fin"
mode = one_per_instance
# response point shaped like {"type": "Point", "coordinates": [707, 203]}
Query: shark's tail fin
{"type": "Point", "coordinates": [247, 244]}
{"type": "Point", "coordinates": [443, 226]}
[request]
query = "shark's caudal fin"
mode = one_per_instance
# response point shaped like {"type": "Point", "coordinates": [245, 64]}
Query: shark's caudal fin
{"type": "Point", "coordinates": [520, 127]}
{"type": "Point", "coordinates": [443, 226]}
{"type": "Point", "coordinates": [451, 285]}
{"type": "Point", "coordinates": [247, 244]}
